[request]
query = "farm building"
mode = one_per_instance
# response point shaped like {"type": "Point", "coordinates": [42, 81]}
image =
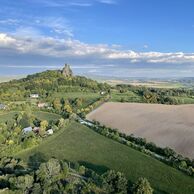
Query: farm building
{"type": "Point", "coordinates": [36, 129]}
{"type": "Point", "coordinates": [102, 92]}
{"type": "Point", "coordinates": [42, 105]}
{"type": "Point", "coordinates": [49, 132]}
{"type": "Point", "coordinates": [27, 130]}
{"type": "Point", "coordinates": [2, 107]}
{"type": "Point", "coordinates": [34, 95]}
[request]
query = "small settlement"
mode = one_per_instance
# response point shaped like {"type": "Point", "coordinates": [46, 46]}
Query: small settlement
{"type": "Point", "coordinates": [36, 130]}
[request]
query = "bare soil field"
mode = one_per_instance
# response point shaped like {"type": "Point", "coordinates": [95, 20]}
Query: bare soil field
{"type": "Point", "coordinates": [165, 125]}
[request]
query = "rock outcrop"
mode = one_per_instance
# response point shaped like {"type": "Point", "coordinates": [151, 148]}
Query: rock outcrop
{"type": "Point", "coordinates": [66, 71]}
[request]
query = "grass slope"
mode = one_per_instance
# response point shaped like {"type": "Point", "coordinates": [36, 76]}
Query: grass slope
{"type": "Point", "coordinates": [127, 96]}
{"type": "Point", "coordinates": [184, 100]}
{"type": "Point", "coordinates": [78, 143]}
{"type": "Point", "coordinates": [46, 115]}
{"type": "Point", "coordinates": [5, 116]}
{"type": "Point", "coordinates": [88, 97]}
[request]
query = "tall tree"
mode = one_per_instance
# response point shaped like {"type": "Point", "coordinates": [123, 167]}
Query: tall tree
{"type": "Point", "coordinates": [142, 186]}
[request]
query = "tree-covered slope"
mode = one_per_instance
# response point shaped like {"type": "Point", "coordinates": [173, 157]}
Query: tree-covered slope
{"type": "Point", "coordinates": [45, 84]}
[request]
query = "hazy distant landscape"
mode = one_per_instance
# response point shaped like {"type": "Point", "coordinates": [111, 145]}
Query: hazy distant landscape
{"type": "Point", "coordinates": [8, 78]}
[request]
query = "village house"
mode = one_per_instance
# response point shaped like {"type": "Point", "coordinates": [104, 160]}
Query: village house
{"type": "Point", "coordinates": [42, 105]}
{"type": "Point", "coordinates": [34, 95]}
{"type": "Point", "coordinates": [36, 130]}
{"type": "Point", "coordinates": [49, 132]}
{"type": "Point", "coordinates": [27, 130]}
{"type": "Point", "coordinates": [2, 107]}
{"type": "Point", "coordinates": [102, 92]}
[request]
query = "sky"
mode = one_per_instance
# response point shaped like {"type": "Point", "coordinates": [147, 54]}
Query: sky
{"type": "Point", "coordinates": [121, 38]}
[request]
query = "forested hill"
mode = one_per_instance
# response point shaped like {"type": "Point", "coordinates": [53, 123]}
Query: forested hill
{"type": "Point", "coordinates": [45, 83]}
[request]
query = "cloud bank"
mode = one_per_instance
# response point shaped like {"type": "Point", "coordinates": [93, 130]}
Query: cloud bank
{"type": "Point", "coordinates": [60, 48]}
{"type": "Point", "coordinates": [49, 52]}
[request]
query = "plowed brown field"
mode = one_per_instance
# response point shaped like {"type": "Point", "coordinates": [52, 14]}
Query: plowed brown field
{"type": "Point", "coordinates": [165, 125]}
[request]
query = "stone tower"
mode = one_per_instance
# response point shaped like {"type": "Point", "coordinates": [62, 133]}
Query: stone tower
{"type": "Point", "coordinates": [66, 71]}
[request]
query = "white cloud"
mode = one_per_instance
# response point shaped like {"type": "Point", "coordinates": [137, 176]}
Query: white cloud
{"type": "Point", "coordinates": [49, 3]}
{"type": "Point", "coordinates": [35, 26]}
{"type": "Point", "coordinates": [69, 3]}
{"type": "Point", "coordinates": [9, 21]}
{"type": "Point", "coordinates": [153, 57]}
{"type": "Point", "coordinates": [107, 1]}
{"type": "Point", "coordinates": [57, 24]}
{"type": "Point", "coordinates": [61, 48]}
{"type": "Point", "coordinates": [145, 46]}
{"type": "Point", "coordinates": [6, 40]}
{"type": "Point", "coordinates": [81, 4]}
{"type": "Point", "coordinates": [27, 32]}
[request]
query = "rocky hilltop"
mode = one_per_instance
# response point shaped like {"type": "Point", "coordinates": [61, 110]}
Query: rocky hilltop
{"type": "Point", "coordinates": [66, 71]}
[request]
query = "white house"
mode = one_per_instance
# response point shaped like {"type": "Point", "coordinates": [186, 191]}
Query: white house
{"type": "Point", "coordinates": [2, 107]}
{"type": "Point", "coordinates": [42, 105]}
{"type": "Point", "coordinates": [49, 132]}
{"type": "Point", "coordinates": [27, 130]}
{"type": "Point", "coordinates": [34, 95]}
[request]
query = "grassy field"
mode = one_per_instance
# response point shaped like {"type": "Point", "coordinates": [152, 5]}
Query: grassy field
{"type": "Point", "coordinates": [156, 84]}
{"type": "Point", "coordinates": [184, 100]}
{"type": "Point", "coordinates": [46, 115]}
{"type": "Point", "coordinates": [88, 97]}
{"type": "Point", "coordinates": [5, 116]}
{"type": "Point", "coordinates": [146, 83]}
{"type": "Point", "coordinates": [127, 96]}
{"type": "Point", "coordinates": [78, 143]}
{"type": "Point", "coordinates": [76, 95]}
{"type": "Point", "coordinates": [132, 97]}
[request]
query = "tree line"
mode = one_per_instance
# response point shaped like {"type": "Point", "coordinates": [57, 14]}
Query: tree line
{"type": "Point", "coordinates": [166, 155]}
{"type": "Point", "coordinates": [54, 176]}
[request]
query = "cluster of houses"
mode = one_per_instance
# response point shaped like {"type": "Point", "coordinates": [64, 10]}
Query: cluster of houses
{"type": "Point", "coordinates": [36, 130]}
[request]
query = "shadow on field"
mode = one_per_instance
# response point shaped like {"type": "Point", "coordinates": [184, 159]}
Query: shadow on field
{"type": "Point", "coordinates": [35, 160]}
{"type": "Point", "coordinates": [100, 169]}
{"type": "Point", "coordinates": [160, 191]}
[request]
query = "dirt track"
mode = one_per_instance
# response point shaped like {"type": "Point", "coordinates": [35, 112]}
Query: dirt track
{"type": "Point", "coordinates": [165, 125]}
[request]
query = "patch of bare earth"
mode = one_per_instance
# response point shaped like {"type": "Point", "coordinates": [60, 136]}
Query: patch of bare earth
{"type": "Point", "coordinates": [165, 125]}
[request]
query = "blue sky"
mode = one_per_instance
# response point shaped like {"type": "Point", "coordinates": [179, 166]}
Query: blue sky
{"type": "Point", "coordinates": [139, 38]}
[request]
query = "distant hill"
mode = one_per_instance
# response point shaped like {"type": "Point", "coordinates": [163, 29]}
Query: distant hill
{"type": "Point", "coordinates": [11, 77]}
{"type": "Point", "coordinates": [46, 83]}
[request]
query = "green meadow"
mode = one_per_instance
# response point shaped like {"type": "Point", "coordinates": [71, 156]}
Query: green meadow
{"type": "Point", "coordinates": [78, 143]}
{"type": "Point", "coordinates": [5, 116]}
